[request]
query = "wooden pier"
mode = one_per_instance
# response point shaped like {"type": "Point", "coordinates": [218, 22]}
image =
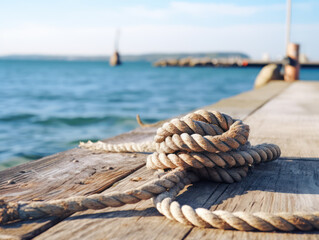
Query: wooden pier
{"type": "Point", "coordinates": [286, 114]}
{"type": "Point", "coordinates": [231, 62]}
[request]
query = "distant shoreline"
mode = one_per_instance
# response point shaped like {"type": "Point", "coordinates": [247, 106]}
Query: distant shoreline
{"type": "Point", "coordinates": [151, 57]}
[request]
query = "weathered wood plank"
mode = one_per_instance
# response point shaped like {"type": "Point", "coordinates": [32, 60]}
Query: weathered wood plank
{"type": "Point", "coordinates": [282, 185]}
{"type": "Point", "coordinates": [290, 120]}
{"type": "Point", "coordinates": [221, 234]}
{"type": "Point", "coordinates": [91, 174]}
{"type": "Point", "coordinates": [60, 175]}
{"type": "Point", "coordinates": [73, 172]}
{"type": "Point", "coordinates": [243, 105]}
{"type": "Point", "coordinates": [54, 176]}
{"type": "Point", "coordinates": [117, 223]}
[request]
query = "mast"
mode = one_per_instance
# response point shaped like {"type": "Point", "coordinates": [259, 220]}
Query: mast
{"type": "Point", "coordinates": [292, 66]}
{"type": "Point", "coordinates": [288, 23]}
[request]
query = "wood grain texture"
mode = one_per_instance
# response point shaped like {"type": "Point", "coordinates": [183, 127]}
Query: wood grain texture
{"type": "Point", "coordinates": [90, 174]}
{"type": "Point", "coordinates": [74, 172]}
{"type": "Point", "coordinates": [221, 234]}
{"type": "Point", "coordinates": [135, 221]}
{"type": "Point", "coordinates": [283, 185]}
{"type": "Point", "coordinates": [290, 120]}
{"type": "Point", "coordinates": [244, 104]}
{"type": "Point", "coordinates": [127, 222]}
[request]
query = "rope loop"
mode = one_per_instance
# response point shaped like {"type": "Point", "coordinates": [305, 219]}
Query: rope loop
{"type": "Point", "coordinates": [201, 131]}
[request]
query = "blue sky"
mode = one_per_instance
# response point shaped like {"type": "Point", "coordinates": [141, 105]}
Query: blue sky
{"type": "Point", "coordinates": [87, 27]}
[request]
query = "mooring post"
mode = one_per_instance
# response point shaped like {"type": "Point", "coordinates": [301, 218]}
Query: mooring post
{"type": "Point", "coordinates": [292, 66]}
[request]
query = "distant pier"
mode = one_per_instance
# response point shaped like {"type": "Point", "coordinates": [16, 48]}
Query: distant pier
{"type": "Point", "coordinates": [223, 62]}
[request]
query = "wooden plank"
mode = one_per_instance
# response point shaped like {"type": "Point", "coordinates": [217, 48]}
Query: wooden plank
{"type": "Point", "coordinates": [270, 187]}
{"type": "Point", "coordinates": [280, 186]}
{"type": "Point", "coordinates": [60, 175]}
{"type": "Point", "coordinates": [91, 174]}
{"type": "Point", "coordinates": [239, 235]}
{"type": "Point", "coordinates": [69, 173]}
{"type": "Point", "coordinates": [136, 221]}
{"type": "Point", "coordinates": [116, 223]}
{"type": "Point", "coordinates": [291, 115]}
{"type": "Point", "coordinates": [290, 120]}
{"type": "Point", "coordinates": [74, 172]}
{"type": "Point", "coordinates": [243, 105]}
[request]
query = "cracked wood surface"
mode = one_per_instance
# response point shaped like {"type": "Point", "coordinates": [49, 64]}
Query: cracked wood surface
{"type": "Point", "coordinates": [80, 172]}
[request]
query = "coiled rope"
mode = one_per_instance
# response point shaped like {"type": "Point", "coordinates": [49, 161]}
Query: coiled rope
{"type": "Point", "coordinates": [209, 145]}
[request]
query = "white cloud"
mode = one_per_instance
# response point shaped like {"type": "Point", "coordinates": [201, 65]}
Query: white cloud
{"type": "Point", "coordinates": [144, 12]}
{"type": "Point", "coordinates": [211, 9]}
{"type": "Point", "coordinates": [178, 9]}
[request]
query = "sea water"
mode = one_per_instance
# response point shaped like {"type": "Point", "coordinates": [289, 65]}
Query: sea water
{"type": "Point", "coordinates": [49, 106]}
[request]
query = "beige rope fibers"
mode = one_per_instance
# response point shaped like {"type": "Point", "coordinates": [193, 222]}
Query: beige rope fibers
{"type": "Point", "coordinates": [201, 145]}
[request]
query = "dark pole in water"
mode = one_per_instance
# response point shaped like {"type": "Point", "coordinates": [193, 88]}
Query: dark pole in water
{"type": "Point", "coordinates": [115, 58]}
{"type": "Point", "coordinates": [292, 66]}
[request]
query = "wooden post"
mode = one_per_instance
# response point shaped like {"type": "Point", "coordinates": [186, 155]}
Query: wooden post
{"type": "Point", "coordinates": [292, 67]}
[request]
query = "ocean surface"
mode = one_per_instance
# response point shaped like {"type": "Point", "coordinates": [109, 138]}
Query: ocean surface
{"type": "Point", "coordinates": [49, 106]}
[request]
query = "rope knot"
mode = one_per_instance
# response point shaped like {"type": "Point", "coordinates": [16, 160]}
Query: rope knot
{"type": "Point", "coordinates": [211, 144]}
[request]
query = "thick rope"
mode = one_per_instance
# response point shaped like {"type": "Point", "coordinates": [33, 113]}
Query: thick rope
{"type": "Point", "coordinates": [26, 210]}
{"type": "Point", "coordinates": [242, 221]}
{"type": "Point", "coordinates": [249, 156]}
{"type": "Point", "coordinates": [205, 145]}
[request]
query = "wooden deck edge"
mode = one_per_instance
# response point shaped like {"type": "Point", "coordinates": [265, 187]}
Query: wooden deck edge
{"type": "Point", "coordinates": [246, 103]}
